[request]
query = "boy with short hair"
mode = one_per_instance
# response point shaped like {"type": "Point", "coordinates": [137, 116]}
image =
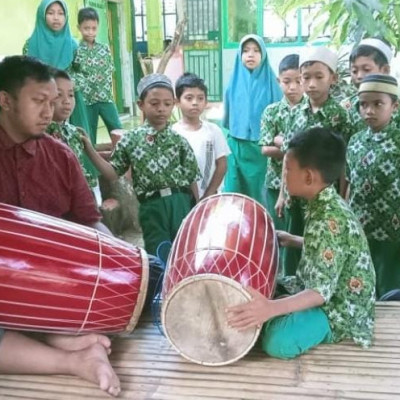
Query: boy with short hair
{"type": "Point", "coordinates": [163, 165]}
{"type": "Point", "coordinates": [207, 140]}
{"type": "Point", "coordinates": [373, 159]}
{"type": "Point", "coordinates": [332, 296]}
{"type": "Point", "coordinates": [61, 129]}
{"type": "Point", "coordinates": [371, 56]}
{"type": "Point", "coordinates": [318, 72]}
{"type": "Point", "coordinates": [93, 68]}
{"type": "Point", "coordinates": [273, 127]}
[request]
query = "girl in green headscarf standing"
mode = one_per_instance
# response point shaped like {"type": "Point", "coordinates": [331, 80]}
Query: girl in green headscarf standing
{"type": "Point", "coordinates": [52, 43]}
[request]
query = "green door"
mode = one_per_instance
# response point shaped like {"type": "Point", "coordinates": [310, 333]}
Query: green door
{"type": "Point", "coordinates": [202, 44]}
{"type": "Point", "coordinates": [116, 53]}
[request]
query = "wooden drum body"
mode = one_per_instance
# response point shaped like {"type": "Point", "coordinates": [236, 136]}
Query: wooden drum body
{"type": "Point", "coordinates": [57, 276]}
{"type": "Point", "coordinates": [227, 242]}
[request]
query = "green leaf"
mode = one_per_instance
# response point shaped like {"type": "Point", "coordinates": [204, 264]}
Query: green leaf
{"type": "Point", "coordinates": [365, 18]}
{"type": "Point", "coordinates": [344, 31]}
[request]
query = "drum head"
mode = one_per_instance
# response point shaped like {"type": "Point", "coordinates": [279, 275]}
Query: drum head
{"type": "Point", "coordinates": [195, 321]}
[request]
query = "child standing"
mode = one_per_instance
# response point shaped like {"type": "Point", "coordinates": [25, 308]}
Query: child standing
{"type": "Point", "coordinates": [93, 66]}
{"type": "Point", "coordinates": [52, 43]}
{"type": "Point", "coordinates": [371, 56]}
{"type": "Point", "coordinates": [373, 159]}
{"type": "Point", "coordinates": [318, 73]}
{"type": "Point", "coordinates": [163, 165]}
{"type": "Point", "coordinates": [251, 88]}
{"type": "Point", "coordinates": [207, 140]}
{"type": "Point", "coordinates": [61, 129]}
{"type": "Point", "coordinates": [273, 126]}
{"type": "Point", "coordinates": [333, 293]}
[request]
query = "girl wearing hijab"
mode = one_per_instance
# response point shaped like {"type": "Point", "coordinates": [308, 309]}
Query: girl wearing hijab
{"type": "Point", "coordinates": [52, 43]}
{"type": "Point", "coordinates": [252, 87]}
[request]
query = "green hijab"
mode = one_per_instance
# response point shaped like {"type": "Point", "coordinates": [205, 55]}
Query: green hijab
{"type": "Point", "coordinates": [54, 48]}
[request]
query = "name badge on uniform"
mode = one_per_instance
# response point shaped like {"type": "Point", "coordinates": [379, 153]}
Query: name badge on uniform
{"type": "Point", "coordinates": [165, 192]}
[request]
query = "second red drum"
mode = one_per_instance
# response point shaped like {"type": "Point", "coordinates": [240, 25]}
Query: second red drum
{"type": "Point", "coordinates": [225, 244]}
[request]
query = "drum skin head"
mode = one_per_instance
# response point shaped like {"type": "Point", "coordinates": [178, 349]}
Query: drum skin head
{"type": "Point", "coordinates": [195, 321]}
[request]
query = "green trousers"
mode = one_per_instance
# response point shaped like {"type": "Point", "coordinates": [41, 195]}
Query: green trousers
{"type": "Point", "coordinates": [272, 197]}
{"type": "Point", "coordinates": [294, 219]}
{"type": "Point", "coordinates": [386, 258]}
{"type": "Point", "coordinates": [160, 220]}
{"type": "Point", "coordinates": [108, 113]}
{"type": "Point", "coordinates": [279, 223]}
{"type": "Point", "coordinates": [246, 170]}
{"type": "Point", "coordinates": [288, 336]}
{"type": "Point", "coordinates": [79, 118]}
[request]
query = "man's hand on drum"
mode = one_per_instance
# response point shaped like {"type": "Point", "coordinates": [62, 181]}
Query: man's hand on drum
{"type": "Point", "coordinates": [251, 314]}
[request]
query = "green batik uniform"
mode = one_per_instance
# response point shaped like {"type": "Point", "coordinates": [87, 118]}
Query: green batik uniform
{"type": "Point", "coordinates": [163, 167]}
{"type": "Point", "coordinates": [274, 123]}
{"type": "Point", "coordinates": [373, 161]}
{"type": "Point", "coordinates": [93, 69]}
{"type": "Point", "coordinates": [70, 135]}
{"type": "Point", "coordinates": [330, 115]}
{"type": "Point", "coordinates": [351, 105]}
{"type": "Point", "coordinates": [337, 264]}
{"type": "Point", "coordinates": [342, 90]}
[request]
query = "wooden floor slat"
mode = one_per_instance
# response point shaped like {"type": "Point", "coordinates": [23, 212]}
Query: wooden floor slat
{"type": "Point", "coordinates": [150, 369]}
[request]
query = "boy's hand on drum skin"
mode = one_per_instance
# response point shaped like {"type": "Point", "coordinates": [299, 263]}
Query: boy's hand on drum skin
{"type": "Point", "coordinates": [251, 314]}
{"type": "Point", "coordinates": [260, 309]}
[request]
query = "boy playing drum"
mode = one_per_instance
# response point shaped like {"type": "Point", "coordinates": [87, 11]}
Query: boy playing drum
{"type": "Point", "coordinates": [333, 293]}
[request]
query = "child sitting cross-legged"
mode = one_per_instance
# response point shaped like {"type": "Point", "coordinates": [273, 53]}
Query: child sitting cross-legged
{"type": "Point", "coordinates": [332, 295]}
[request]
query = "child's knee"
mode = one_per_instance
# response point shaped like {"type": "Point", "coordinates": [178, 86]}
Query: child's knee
{"type": "Point", "coordinates": [278, 345]}
{"type": "Point", "coordinates": [290, 335]}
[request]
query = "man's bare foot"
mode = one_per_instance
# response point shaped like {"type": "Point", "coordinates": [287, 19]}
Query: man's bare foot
{"type": "Point", "coordinates": [74, 343]}
{"type": "Point", "coordinates": [92, 364]}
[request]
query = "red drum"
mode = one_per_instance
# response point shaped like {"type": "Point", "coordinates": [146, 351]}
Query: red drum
{"type": "Point", "coordinates": [227, 242]}
{"type": "Point", "coordinates": [57, 276]}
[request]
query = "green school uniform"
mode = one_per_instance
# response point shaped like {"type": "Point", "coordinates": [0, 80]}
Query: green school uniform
{"type": "Point", "coordinates": [337, 264]}
{"type": "Point", "coordinates": [274, 122]}
{"type": "Point", "coordinates": [93, 68]}
{"type": "Point", "coordinates": [373, 161]}
{"type": "Point", "coordinates": [351, 105]}
{"type": "Point", "coordinates": [69, 134]}
{"type": "Point", "coordinates": [330, 115]}
{"type": "Point", "coordinates": [163, 167]}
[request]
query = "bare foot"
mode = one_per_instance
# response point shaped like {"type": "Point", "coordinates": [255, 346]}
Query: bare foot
{"type": "Point", "coordinates": [74, 343]}
{"type": "Point", "coordinates": [92, 364]}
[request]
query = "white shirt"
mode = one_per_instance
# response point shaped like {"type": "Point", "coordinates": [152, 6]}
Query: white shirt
{"type": "Point", "coordinates": [208, 144]}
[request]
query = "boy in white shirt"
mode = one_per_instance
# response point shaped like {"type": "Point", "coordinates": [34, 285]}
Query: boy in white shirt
{"type": "Point", "coordinates": [206, 138]}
